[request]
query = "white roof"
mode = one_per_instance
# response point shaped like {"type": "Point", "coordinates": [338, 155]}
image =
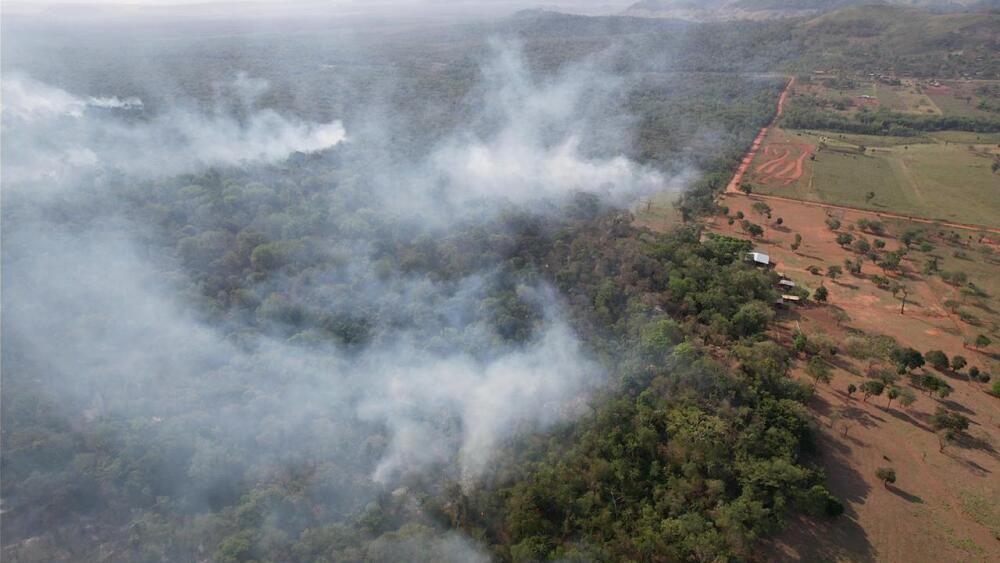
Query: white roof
{"type": "Point", "coordinates": [760, 258]}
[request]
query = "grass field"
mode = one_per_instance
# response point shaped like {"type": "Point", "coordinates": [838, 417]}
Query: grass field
{"type": "Point", "coordinates": [954, 98]}
{"type": "Point", "coordinates": [944, 177]}
{"type": "Point", "coordinates": [905, 98]}
{"type": "Point", "coordinates": [961, 98]}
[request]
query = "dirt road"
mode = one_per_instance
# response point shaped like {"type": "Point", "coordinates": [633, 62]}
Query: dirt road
{"type": "Point", "coordinates": [734, 184]}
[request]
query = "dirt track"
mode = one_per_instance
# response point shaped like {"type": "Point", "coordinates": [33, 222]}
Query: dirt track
{"type": "Point", "coordinates": [734, 184]}
{"type": "Point", "coordinates": [880, 214]}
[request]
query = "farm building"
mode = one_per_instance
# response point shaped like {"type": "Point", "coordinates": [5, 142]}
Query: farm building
{"type": "Point", "coordinates": [760, 259]}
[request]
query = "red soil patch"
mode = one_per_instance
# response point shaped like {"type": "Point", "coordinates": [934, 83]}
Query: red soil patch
{"type": "Point", "coordinates": [934, 511]}
{"type": "Point", "coordinates": [786, 166]}
{"type": "Point", "coordinates": [937, 90]}
{"type": "Point", "coordinates": [862, 102]}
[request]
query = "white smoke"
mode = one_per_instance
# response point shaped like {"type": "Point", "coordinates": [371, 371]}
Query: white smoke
{"type": "Point", "coordinates": [60, 138]}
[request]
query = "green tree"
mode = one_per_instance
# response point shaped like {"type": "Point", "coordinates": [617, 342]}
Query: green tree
{"type": "Point", "coordinates": [833, 271]}
{"type": "Point", "coordinates": [937, 359]}
{"type": "Point", "coordinates": [948, 425]}
{"type": "Point", "coordinates": [821, 293]}
{"type": "Point", "coordinates": [872, 388]}
{"type": "Point", "coordinates": [832, 223]}
{"type": "Point", "coordinates": [762, 209]}
{"type": "Point", "coordinates": [907, 397]}
{"type": "Point", "coordinates": [851, 388]}
{"type": "Point", "coordinates": [818, 369]}
{"type": "Point", "coordinates": [890, 262]}
{"type": "Point", "coordinates": [907, 359]}
{"type": "Point", "coordinates": [982, 341]}
{"type": "Point", "coordinates": [958, 362]}
{"type": "Point", "coordinates": [798, 242]}
{"type": "Point", "coordinates": [799, 342]}
{"type": "Point", "coordinates": [750, 319]}
{"type": "Point", "coordinates": [887, 475]}
{"type": "Point", "coordinates": [893, 393]}
{"type": "Point", "coordinates": [844, 239]}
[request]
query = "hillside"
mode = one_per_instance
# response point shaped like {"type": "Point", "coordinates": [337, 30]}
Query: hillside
{"type": "Point", "coordinates": [728, 10]}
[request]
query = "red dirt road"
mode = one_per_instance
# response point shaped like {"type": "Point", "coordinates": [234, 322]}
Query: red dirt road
{"type": "Point", "coordinates": [734, 184]}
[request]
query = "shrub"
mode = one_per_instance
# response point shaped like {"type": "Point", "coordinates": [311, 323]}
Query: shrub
{"type": "Point", "coordinates": [886, 475]}
{"type": "Point", "coordinates": [937, 359]}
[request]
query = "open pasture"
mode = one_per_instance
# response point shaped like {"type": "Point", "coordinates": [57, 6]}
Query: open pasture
{"type": "Point", "coordinates": [946, 177]}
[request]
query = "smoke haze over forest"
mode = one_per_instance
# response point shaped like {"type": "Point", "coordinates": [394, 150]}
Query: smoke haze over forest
{"type": "Point", "coordinates": [355, 281]}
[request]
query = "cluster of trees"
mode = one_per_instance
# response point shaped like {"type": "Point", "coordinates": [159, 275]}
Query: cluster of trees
{"type": "Point", "coordinates": [881, 121]}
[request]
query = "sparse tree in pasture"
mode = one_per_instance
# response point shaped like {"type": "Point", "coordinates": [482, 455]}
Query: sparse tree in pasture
{"type": "Point", "coordinates": [851, 388]}
{"type": "Point", "coordinates": [949, 420]}
{"type": "Point", "coordinates": [872, 388]}
{"type": "Point", "coordinates": [840, 316]}
{"type": "Point", "coordinates": [907, 397]}
{"type": "Point", "coordinates": [818, 370]}
{"type": "Point", "coordinates": [982, 341]}
{"type": "Point", "coordinates": [892, 394]}
{"type": "Point", "coordinates": [958, 362]}
{"type": "Point", "coordinates": [821, 294]}
{"type": "Point", "coordinates": [833, 223]}
{"type": "Point", "coordinates": [891, 262]}
{"type": "Point", "coordinates": [911, 236]}
{"type": "Point", "coordinates": [937, 359]}
{"type": "Point", "coordinates": [887, 475]}
{"type": "Point", "coordinates": [907, 359]}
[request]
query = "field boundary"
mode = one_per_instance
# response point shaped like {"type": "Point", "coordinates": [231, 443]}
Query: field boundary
{"type": "Point", "coordinates": [734, 184]}
{"type": "Point", "coordinates": [880, 214]}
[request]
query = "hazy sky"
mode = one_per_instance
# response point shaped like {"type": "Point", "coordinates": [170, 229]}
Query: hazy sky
{"type": "Point", "coordinates": [338, 7]}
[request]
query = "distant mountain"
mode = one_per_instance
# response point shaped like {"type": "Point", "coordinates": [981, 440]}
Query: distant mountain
{"type": "Point", "coordinates": [721, 10]}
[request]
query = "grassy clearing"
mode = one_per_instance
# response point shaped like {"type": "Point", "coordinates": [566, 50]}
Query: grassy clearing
{"type": "Point", "coordinates": [924, 177]}
{"type": "Point", "coordinates": [981, 510]}
{"type": "Point", "coordinates": [658, 212]}
{"type": "Point", "coordinates": [966, 137]}
{"type": "Point", "coordinates": [905, 98]}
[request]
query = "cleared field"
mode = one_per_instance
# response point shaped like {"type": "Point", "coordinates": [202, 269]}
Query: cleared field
{"type": "Point", "coordinates": [905, 98]}
{"type": "Point", "coordinates": [934, 178]}
{"type": "Point", "coordinates": [966, 137]}
{"type": "Point", "coordinates": [949, 494]}
{"type": "Point", "coordinates": [658, 212]}
{"type": "Point", "coordinates": [962, 98]}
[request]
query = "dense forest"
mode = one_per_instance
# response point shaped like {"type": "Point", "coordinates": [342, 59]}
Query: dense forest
{"type": "Point", "coordinates": [380, 340]}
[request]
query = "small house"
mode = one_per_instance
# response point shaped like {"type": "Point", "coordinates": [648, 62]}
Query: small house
{"type": "Point", "coordinates": [760, 259]}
